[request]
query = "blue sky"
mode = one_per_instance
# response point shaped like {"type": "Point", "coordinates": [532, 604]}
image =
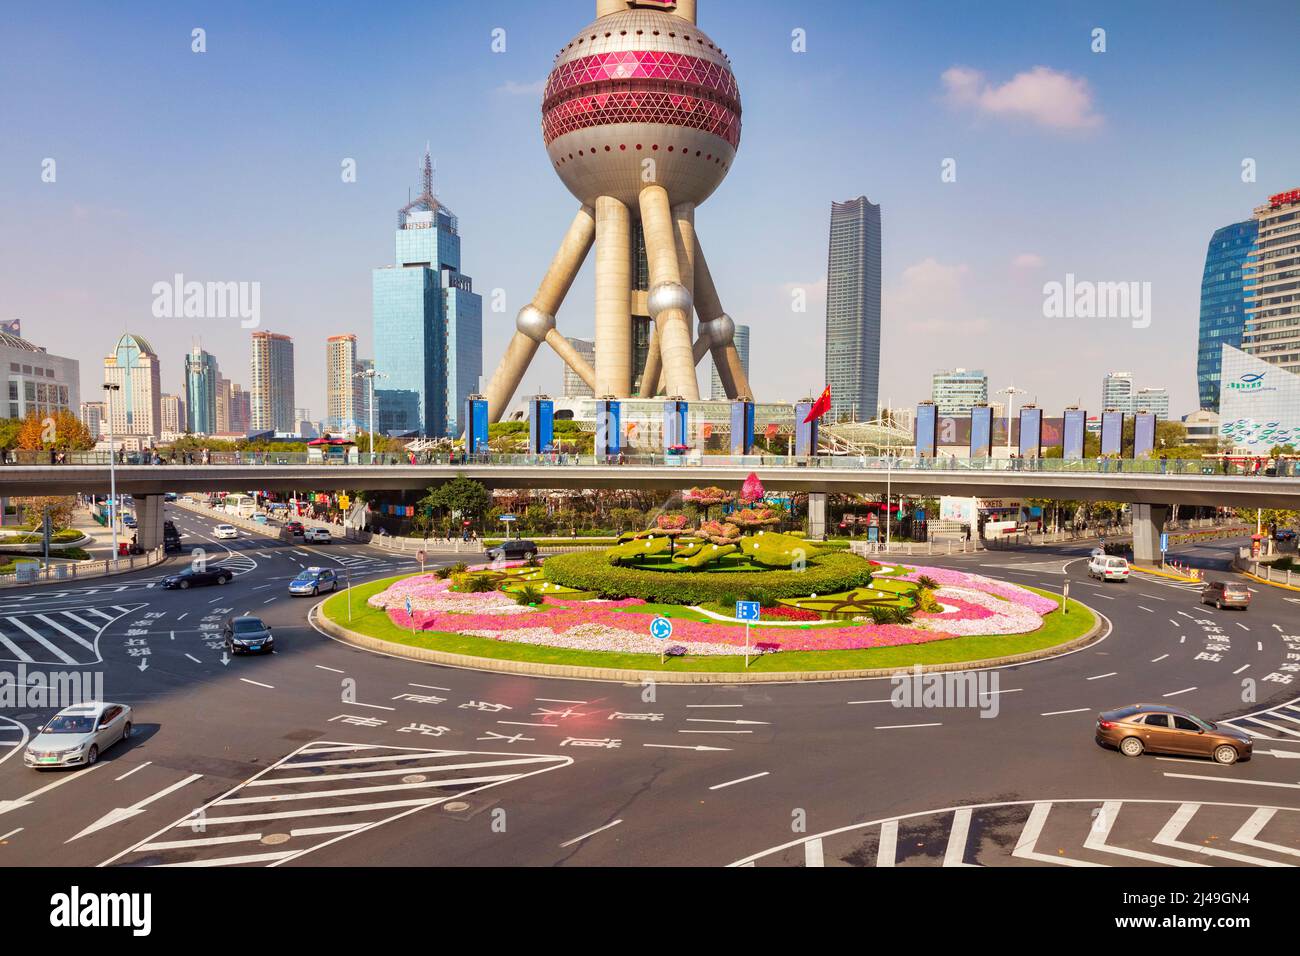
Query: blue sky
{"type": "Point", "coordinates": [1113, 166]}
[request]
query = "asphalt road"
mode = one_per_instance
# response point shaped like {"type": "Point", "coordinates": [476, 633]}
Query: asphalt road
{"type": "Point", "coordinates": [323, 754]}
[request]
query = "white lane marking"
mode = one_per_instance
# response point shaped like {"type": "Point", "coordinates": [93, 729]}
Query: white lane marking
{"type": "Point", "coordinates": [257, 683]}
{"type": "Point", "coordinates": [905, 726]}
{"type": "Point", "coordinates": [1241, 668]}
{"type": "Point", "coordinates": [719, 720]}
{"type": "Point", "coordinates": [1285, 730]}
{"type": "Point", "coordinates": [1033, 829]}
{"type": "Point", "coordinates": [711, 731]}
{"type": "Point", "coordinates": [57, 652]}
{"type": "Point", "coordinates": [1147, 609]}
{"type": "Point", "coordinates": [136, 770]}
{"type": "Point", "coordinates": [955, 852]}
{"type": "Point", "coordinates": [1153, 597]}
{"type": "Point", "coordinates": [1100, 830]}
{"type": "Point", "coordinates": [235, 860]}
{"type": "Point", "coordinates": [732, 783]}
{"type": "Point", "coordinates": [1185, 690]}
{"type": "Point", "coordinates": [17, 651]}
{"type": "Point", "coordinates": [1249, 783]}
{"type": "Point", "coordinates": [1174, 623]}
{"type": "Point", "coordinates": [552, 700]}
{"type": "Point", "coordinates": [887, 851]}
{"type": "Point", "coordinates": [334, 670]}
{"type": "Point", "coordinates": [207, 841]}
{"type": "Point", "coordinates": [1057, 713]}
{"type": "Point", "coordinates": [887, 700]}
{"type": "Point", "coordinates": [1156, 660]}
{"type": "Point", "coordinates": [813, 854]}
{"type": "Point", "coordinates": [1250, 830]}
{"type": "Point", "coordinates": [194, 659]}
{"type": "Point", "coordinates": [1259, 645]}
{"type": "Point", "coordinates": [399, 771]}
{"type": "Point", "coordinates": [1105, 596]}
{"type": "Point", "coordinates": [1242, 626]}
{"type": "Point", "coordinates": [280, 798]}
{"type": "Point", "coordinates": [715, 705]}
{"type": "Point", "coordinates": [80, 620]}
{"type": "Point", "coordinates": [183, 616]}
{"type": "Point", "coordinates": [118, 814]}
{"type": "Point", "coordinates": [428, 687]}
{"type": "Point", "coordinates": [1182, 639]}
{"type": "Point", "coordinates": [26, 799]}
{"type": "Point", "coordinates": [1168, 836]}
{"type": "Point", "coordinates": [579, 839]}
{"type": "Point", "coordinates": [1100, 676]}
{"type": "Point", "coordinates": [11, 833]}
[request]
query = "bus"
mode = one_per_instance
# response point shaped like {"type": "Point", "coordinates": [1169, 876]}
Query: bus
{"type": "Point", "coordinates": [242, 506]}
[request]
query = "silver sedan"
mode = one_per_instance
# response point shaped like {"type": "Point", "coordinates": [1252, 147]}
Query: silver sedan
{"type": "Point", "coordinates": [76, 736]}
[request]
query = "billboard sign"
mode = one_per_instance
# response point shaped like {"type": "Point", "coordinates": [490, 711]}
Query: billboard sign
{"type": "Point", "coordinates": [1031, 432]}
{"type": "Point", "coordinates": [927, 422]}
{"type": "Point", "coordinates": [981, 432]}
{"type": "Point", "coordinates": [1112, 433]}
{"type": "Point", "coordinates": [1144, 435]}
{"type": "Point", "coordinates": [1075, 427]}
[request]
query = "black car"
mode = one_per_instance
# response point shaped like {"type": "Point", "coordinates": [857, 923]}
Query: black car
{"type": "Point", "coordinates": [512, 549]}
{"type": "Point", "coordinates": [193, 578]}
{"type": "Point", "coordinates": [248, 635]}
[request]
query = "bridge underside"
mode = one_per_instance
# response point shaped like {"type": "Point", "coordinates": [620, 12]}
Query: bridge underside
{"type": "Point", "coordinates": [1200, 490]}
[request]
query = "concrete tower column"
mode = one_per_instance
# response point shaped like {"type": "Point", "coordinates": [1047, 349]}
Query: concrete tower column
{"type": "Point", "coordinates": [1148, 523]}
{"type": "Point", "coordinates": [718, 331]}
{"type": "Point", "coordinates": [669, 300]}
{"type": "Point", "coordinates": [537, 319]}
{"type": "Point", "coordinates": [148, 521]}
{"type": "Point", "coordinates": [613, 297]}
{"type": "Point", "coordinates": [684, 234]}
{"type": "Point", "coordinates": [605, 7]}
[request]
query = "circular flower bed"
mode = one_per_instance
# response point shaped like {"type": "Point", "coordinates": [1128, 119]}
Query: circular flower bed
{"type": "Point", "coordinates": [969, 605]}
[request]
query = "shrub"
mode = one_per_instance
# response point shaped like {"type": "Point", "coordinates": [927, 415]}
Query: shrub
{"type": "Point", "coordinates": [528, 595]}
{"type": "Point", "coordinates": [442, 573]}
{"type": "Point", "coordinates": [477, 582]}
{"type": "Point", "coordinates": [927, 583]}
{"type": "Point", "coordinates": [827, 573]}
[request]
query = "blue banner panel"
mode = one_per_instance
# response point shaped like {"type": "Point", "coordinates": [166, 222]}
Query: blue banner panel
{"type": "Point", "coordinates": [805, 433]}
{"type": "Point", "coordinates": [1031, 432]}
{"type": "Point", "coordinates": [927, 429]}
{"type": "Point", "coordinates": [609, 436]}
{"type": "Point", "coordinates": [1112, 433]}
{"type": "Point", "coordinates": [742, 427]}
{"type": "Point", "coordinates": [476, 431]}
{"type": "Point", "coordinates": [541, 425]}
{"type": "Point", "coordinates": [675, 420]}
{"type": "Point", "coordinates": [981, 432]}
{"type": "Point", "coordinates": [1076, 426]}
{"type": "Point", "coordinates": [1144, 434]}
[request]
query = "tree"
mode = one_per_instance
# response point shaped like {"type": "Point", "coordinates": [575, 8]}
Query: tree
{"type": "Point", "coordinates": [61, 429]}
{"type": "Point", "coordinates": [60, 510]}
{"type": "Point", "coordinates": [461, 494]}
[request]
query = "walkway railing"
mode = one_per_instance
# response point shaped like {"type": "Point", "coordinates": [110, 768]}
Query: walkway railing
{"type": "Point", "coordinates": [67, 572]}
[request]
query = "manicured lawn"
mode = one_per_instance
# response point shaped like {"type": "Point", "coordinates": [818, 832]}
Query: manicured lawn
{"type": "Point", "coordinates": [1056, 629]}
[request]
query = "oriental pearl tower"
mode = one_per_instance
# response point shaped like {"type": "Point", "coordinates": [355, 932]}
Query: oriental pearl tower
{"type": "Point", "coordinates": [641, 119]}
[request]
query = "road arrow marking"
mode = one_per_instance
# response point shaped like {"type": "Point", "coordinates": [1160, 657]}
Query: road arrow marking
{"type": "Point", "coordinates": [684, 747]}
{"type": "Point", "coordinates": [225, 658]}
{"type": "Point", "coordinates": [7, 805]}
{"type": "Point", "coordinates": [144, 665]}
{"type": "Point", "coordinates": [710, 720]}
{"type": "Point", "coordinates": [1280, 753]}
{"type": "Point", "coordinates": [125, 813]}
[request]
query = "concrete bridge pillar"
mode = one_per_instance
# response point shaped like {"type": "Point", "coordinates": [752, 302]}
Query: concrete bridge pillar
{"type": "Point", "coordinates": [149, 521]}
{"type": "Point", "coordinates": [817, 515]}
{"type": "Point", "coordinates": [1148, 523]}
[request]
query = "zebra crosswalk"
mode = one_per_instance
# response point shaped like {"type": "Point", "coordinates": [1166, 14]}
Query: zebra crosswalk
{"type": "Point", "coordinates": [321, 793]}
{"type": "Point", "coordinates": [1278, 723]}
{"type": "Point", "coordinates": [1075, 833]}
{"type": "Point", "coordinates": [68, 637]}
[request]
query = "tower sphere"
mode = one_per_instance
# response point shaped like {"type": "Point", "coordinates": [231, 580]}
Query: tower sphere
{"type": "Point", "coordinates": [635, 87]}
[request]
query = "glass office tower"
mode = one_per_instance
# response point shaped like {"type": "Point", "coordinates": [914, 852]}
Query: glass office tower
{"type": "Point", "coordinates": [428, 324]}
{"type": "Point", "coordinates": [1223, 305]}
{"type": "Point", "coordinates": [201, 375]}
{"type": "Point", "coordinates": [853, 310]}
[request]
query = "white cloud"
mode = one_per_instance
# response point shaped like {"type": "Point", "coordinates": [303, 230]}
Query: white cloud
{"type": "Point", "coordinates": [1042, 95]}
{"type": "Point", "coordinates": [930, 298]}
{"type": "Point", "coordinates": [1027, 260]}
{"type": "Point", "coordinates": [513, 88]}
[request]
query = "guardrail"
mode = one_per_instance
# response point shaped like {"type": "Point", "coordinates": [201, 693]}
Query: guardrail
{"type": "Point", "coordinates": [65, 572]}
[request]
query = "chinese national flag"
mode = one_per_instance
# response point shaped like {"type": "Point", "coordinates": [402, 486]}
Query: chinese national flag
{"type": "Point", "coordinates": [708, 430]}
{"type": "Point", "coordinates": [820, 407]}
{"type": "Point", "coordinates": [772, 429]}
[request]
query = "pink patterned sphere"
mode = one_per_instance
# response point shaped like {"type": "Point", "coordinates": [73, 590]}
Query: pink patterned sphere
{"type": "Point", "coordinates": [641, 97]}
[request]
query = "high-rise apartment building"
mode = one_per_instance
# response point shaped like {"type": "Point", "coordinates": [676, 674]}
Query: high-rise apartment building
{"type": "Point", "coordinates": [223, 404]}
{"type": "Point", "coordinates": [741, 340]}
{"type": "Point", "coordinates": [92, 416]}
{"type": "Point", "coordinates": [137, 402]}
{"type": "Point", "coordinates": [1223, 305]}
{"type": "Point", "coordinates": [240, 410]}
{"type": "Point", "coordinates": [342, 387]}
{"type": "Point", "coordinates": [574, 386]}
{"type": "Point", "coordinates": [173, 414]}
{"type": "Point", "coordinates": [1272, 284]}
{"type": "Point", "coordinates": [955, 391]}
{"type": "Point", "coordinates": [428, 324]}
{"type": "Point", "coordinates": [853, 310]}
{"type": "Point", "coordinates": [202, 377]}
{"type": "Point", "coordinates": [271, 388]}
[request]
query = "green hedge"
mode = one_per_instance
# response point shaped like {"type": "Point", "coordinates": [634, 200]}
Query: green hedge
{"type": "Point", "coordinates": [590, 571]}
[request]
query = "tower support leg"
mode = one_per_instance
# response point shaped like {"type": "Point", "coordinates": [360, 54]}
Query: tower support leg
{"type": "Point", "coordinates": [536, 320]}
{"type": "Point", "coordinates": [717, 331]}
{"type": "Point", "coordinates": [613, 298]}
{"type": "Point", "coordinates": [669, 299]}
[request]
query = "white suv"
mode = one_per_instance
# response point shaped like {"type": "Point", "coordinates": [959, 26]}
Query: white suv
{"type": "Point", "coordinates": [1105, 567]}
{"type": "Point", "coordinates": [317, 535]}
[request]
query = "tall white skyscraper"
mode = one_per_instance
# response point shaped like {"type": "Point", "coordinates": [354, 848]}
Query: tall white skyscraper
{"type": "Point", "coordinates": [271, 389]}
{"type": "Point", "coordinates": [853, 310]}
{"type": "Point", "coordinates": [137, 404]}
{"type": "Point", "coordinates": [716, 392]}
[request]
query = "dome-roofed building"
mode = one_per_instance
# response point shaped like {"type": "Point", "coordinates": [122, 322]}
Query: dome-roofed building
{"type": "Point", "coordinates": [136, 404]}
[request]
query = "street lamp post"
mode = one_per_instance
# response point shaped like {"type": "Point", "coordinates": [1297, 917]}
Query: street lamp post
{"type": "Point", "coordinates": [1011, 392]}
{"type": "Point", "coordinates": [370, 375]}
{"type": "Point", "coordinates": [110, 388]}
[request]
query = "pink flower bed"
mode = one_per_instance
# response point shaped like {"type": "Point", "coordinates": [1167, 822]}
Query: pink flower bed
{"type": "Point", "coordinates": [973, 605]}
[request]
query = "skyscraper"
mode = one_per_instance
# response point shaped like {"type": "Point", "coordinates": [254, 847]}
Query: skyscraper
{"type": "Point", "coordinates": [1153, 400]}
{"type": "Point", "coordinates": [92, 416]}
{"type": "Point", "coordinates": [1117, 392]}
{"type": "Point", "coordinates": [173, 414]}
{"type": "Point", "coordinates": [340, 385]}
{"type": "Point", "coordinates": [853, 310]}
{"type": "Point", "coordinates": [1223, 304]}
{"type": "Point", "coordinates": [1272, 306]}
{"type": "Point", "coordinates": [574, 386]}
{"type": "Point", "coordinates": [137, 405]}
{"type": "Point", "coordinates": [240, 410]}
{"type": "Point", "coordinates": [223, 405]}
{"type": "Point", "coordinates": [954, 391]}
{"type": "Point", "coordinates": [717, 391]}
{"type": "Point", "coordinates": [271, 389]}
{"type": "Point", "coordinates": [428, 323]}
{"type": "Point", "coordinates": [201, 378]}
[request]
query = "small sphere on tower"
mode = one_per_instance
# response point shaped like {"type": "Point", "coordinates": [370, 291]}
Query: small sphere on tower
{"type": "Point", "coordinates": [641, 97]}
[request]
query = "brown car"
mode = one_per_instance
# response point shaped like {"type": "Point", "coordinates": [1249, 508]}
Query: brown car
{"type": "Point", "coordinates": [1226, 594]}
{"type": "Point", "coordinates": [1170, 730]}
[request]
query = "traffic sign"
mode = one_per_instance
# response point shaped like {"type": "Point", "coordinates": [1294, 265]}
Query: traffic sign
{"type": "Point", "coordinates": [1164, 542]}
{"type": "Point", "coordinates": [661, 628]}
{"type": "Point", "coordinates": [747, 610]}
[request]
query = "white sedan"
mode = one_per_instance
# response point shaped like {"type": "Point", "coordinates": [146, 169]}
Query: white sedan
{"type": "Point", "coordinates": [225, 531]}
{"type": "Point", "coordinates": [77, 735]}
